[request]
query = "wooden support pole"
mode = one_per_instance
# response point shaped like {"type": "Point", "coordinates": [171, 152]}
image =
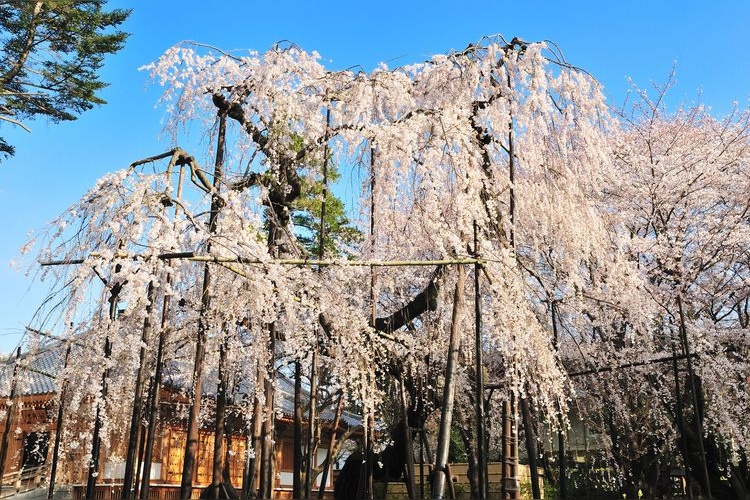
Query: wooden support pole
{"type": "Point", "coordinates": [482, 469]}
{"type": "Point", "coordinates": [297, 459]}
{"type": "Point", "coordinates": [408, 443]}
{"type": "Point", "coordinates": [312, 419]}
{"type": "Point", "coordinates": [268, 434]}
{"type": "Point", "coordinates": [10, 407]}
{"type": "Point", "coordinates": [58, 428]}
{"type": "Point", "coordinates": [696, 402]}
{"type": "Point", "coordinates": [421, 462]}
{"type": "Point", "coordinates": [135, 417]}
{"type": "Point", "coordinates": [192, 440]}
{"type": "Point", "coordinates": [219, 430]}
{"type": "Point", "coordinates": [561, 481]}
{"type": "Point", "coordinates": [153, 399]}
{"type": "Point", "coordinates": [250, 477]}
{"type": "Point", "coordinates": [96, 438]}
{"type": "Point", "coordinates": [449, 392]}
{"type": "Point", "coordinates": [531, 451]}
{"type": "Point", "coordinates": [331, 447]}
{"type": "Point", "coordinates": [193, 257]}
{"type": "Point", "coordinates": [679, 415]}
{"type": "Point", "coordinates": [142, 443]}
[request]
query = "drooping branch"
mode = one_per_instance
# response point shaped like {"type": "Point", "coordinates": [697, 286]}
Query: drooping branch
{"type": "Point", "coordinates": [424, 301]}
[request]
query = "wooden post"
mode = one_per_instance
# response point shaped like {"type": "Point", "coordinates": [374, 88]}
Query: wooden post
{"type": "Point", "coordinates": [153, 399]}
{"type": "Point", "coordinates": [449, 391]}
{"type": "Point", "coordinates": [311, 425]}
{"type": "Point", "coordinates": [331, 447]}
{"type": "Point", "coordinates": [408, 444]}
{"type": "Point", "coordinates": [693, 390]}
{"type": "Point", "coordinates": [684, 447]}
{"type": "Point", "coordinates": [142, 443]}
{"type": "Point", "coordinates": [528, 425]}
{"type": "Point", "coordinates": [451, 486]}
{"type": "Point", "coordinates": [362, 479]}
{"type": "Point", "coordinates": [250, 477]}
{"type": "Point", "coordinates": [267, 456]}
{"type": "Point", "coordinates": [479, 370]}
{"type": "Point", "coordinates": [58, 428]}
{"type": "Point", "coordinates": [96, 438]}
{"type": "Point", "coordinates": [503, 449]}
{"type": "Point", "coordinates": [248, 472]}
{"type": "Point", "coordinates": [10, 405]}
{"type": "Point", "coordinates": [192, 440]}
{"type": "Point", "coordinates": [135, 417]}
{"type": "Point", "coordinates": [561, 481]}
{"type": "Point", "coordinates": [219, 431]}
{"type": "Point", "coordinates": [312, 420]}
{"type": "Point", "coordinates": [365, 478]}
{"type": "Point", "coordinates": [421, 462]}
{"type": "Point", "coordinates": [297, 459]}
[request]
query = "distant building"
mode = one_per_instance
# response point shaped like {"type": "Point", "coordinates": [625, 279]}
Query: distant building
{"type": "Point", "coordinates": [33, 425]}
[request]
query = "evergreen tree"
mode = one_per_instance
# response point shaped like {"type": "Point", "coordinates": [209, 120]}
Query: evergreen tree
{"type": "Point", "coordinates": [50, 53]}
{"type": "Point", "coordinates": [341, 236]}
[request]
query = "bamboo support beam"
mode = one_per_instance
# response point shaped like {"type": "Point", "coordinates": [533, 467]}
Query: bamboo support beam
{"type": "Point", "coordinates": [191, 256]}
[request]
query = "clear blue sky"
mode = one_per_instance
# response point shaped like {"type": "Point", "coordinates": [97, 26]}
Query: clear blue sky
{"type": "Point", "coordinates": [55, 164]}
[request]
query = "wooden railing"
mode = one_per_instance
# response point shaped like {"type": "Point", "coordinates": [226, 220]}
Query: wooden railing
{"type": "Point", "coordinates": [23, 480]}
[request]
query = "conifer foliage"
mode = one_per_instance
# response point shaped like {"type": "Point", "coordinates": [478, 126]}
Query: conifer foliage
{"type": "Point", "coordinates": [50, 55]}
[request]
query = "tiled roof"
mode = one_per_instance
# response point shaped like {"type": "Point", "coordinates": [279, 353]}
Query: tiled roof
{"type": "Point", "coordinates": [37, 371]}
